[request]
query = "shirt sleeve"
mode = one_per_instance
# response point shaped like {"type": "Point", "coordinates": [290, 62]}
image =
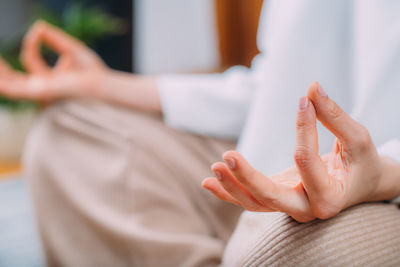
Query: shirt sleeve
{"type": "Point", "coordinates": [208, 104]}
{"type": "Point", "coordinates": [214, 104]}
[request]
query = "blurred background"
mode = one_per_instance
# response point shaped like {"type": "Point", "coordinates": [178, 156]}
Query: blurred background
{"type": "Point", "coordinates": [140, 36]}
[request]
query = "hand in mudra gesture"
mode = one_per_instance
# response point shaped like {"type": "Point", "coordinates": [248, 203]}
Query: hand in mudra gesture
{"type": "Point", "coordinates": [316, 187]}
{"type": "Point", "coordinates": [74, 75]}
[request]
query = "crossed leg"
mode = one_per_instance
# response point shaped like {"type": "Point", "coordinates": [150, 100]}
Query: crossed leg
{"type": "Point", "coordinates": [115, 187]}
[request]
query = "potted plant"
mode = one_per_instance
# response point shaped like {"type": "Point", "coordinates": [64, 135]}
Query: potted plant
{"type": "Point", "coordinates": [88, 24]}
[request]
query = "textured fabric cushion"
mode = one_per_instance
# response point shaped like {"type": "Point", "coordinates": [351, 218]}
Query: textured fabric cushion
{"type": "Point", "coordinates": [364, 235]}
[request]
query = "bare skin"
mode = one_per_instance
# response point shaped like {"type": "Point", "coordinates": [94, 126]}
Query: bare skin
{"type": "Point", "coordinates": [79, 72]}
{"type": "Point", "coordinates": [317, 187]}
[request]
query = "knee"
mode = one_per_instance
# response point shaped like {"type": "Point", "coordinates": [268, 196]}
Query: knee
{"type": "Point", "coordinates": [67, 130]}
{"type": "Point", "coordinates": [40, 141]}
{"type": "Point", "coordinates": [64, 123]}
{"type": "Point", "coordinates": [358, 236]}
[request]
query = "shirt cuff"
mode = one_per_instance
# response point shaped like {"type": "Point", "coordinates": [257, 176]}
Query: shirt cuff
{"type": "Point", "coordinates": [206, 104]}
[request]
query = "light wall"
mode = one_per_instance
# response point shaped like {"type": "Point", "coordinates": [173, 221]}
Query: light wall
{"type": "Point", "coordinates": [175, 36]}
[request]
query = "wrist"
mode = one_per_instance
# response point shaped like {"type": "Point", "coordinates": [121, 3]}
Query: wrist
{"type": "Point", "coordinates": [135, 91]}
{"type": "Point", "coordinates": [94, 82]}
{"type": "Point", "coordinates": [388, 186]}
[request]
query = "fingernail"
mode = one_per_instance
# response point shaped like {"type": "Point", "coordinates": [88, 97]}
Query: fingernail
{"type": "Point", "coordinates": [321, 91]}
{"type": "Point", "coordinates": [231, 163]}
{"type": "Point", "coordinates": [218, 174]}
{"type": "Point", "coordinates": [303, 102]}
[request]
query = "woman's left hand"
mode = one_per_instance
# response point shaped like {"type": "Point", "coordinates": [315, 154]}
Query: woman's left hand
{"type": "Point", "coordinates": [77, 72]}
{"type": "Point", "coordinates": [316, 187]}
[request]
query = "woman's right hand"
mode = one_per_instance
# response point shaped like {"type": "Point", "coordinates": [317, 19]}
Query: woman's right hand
{"type": "Point", "coordinates": [76, 73]}
{"type": "Point", "coordinates": [316, 187]}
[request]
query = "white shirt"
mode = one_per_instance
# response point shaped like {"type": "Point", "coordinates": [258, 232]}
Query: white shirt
{"type": "Point", "coordinates": [351, 47]}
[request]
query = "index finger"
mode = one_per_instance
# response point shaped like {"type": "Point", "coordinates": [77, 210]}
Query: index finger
{"type": "Point", "coordinates": [314, 175]}
{"type": "Point", "coordinates": [55, 38]}
{"type": "Point", "coordinates": [332, 116]}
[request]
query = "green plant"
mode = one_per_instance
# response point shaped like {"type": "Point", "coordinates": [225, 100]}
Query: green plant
{"type": "Point", "coordinates": [87, 23]}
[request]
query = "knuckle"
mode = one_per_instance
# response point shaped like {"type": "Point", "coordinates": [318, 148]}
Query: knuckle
{"type": "Point", "coordinates": [37, 27]}
{"type": "Point", "coordinates": [302, 157]}
{"type": "Point", "coordinates": [40, 25]}
{"type": "Point", "coordinates": [252, 207]}
{"type": "Point", "coordinates": [267, 199]}
{"type": "Point", "coordinates": [304, 218]}
{"type": "Point", "coordinates": [335, 112]}
{"type": "Point", "coordinates": [251, 175]}
{"type": "Point", "coordinates": [363, 139]}
{"type": "Point", "coordinates": [300, 123]}
{"type": "Point", "coordinates": [303, 125]}
{"type": "Point", "coordinates": [324, 211]}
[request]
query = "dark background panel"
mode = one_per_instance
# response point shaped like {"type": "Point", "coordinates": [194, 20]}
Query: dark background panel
{"type": "Point", "coordinates": [117, 51]}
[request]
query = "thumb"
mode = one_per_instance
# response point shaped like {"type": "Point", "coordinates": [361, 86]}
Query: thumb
{"type": "Point", "coordinates": [55, 38]}
{"type": "Point", "coordinates": [348, 131]}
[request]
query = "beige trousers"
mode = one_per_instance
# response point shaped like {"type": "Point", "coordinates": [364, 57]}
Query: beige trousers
{"type": "Point", "coordinates": [115, 187]}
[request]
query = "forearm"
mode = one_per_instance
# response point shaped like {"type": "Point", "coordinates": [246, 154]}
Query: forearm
{"type": "Point", "coordinates": [389, 183]}
{"type": "Point", "coordinates": [135, 91]}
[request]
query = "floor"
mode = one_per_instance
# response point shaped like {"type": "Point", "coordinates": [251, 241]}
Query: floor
{"type": "Point", "coordinates": [19, 241]}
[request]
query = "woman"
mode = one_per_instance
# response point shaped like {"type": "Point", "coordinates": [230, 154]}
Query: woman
{"type": "Point", "coordinates": [350, 46]}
